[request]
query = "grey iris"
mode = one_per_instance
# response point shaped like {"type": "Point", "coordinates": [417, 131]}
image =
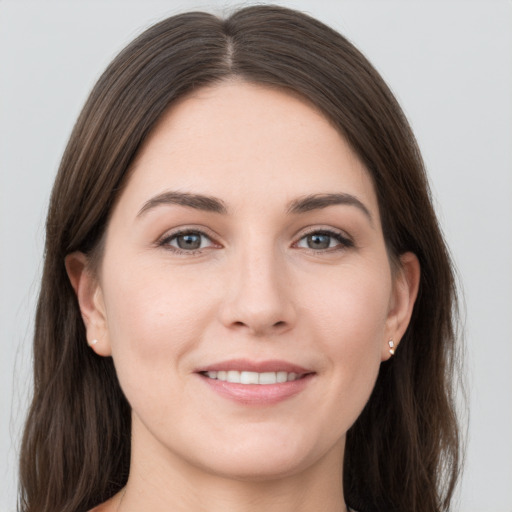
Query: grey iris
{"type": "Point", "coordinates": [318, 241]}
{"type": "Point", "coordinates": [189, 241]}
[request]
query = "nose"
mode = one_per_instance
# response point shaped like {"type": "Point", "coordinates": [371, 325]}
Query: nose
{"type": "Point", "coordinates": [258, 295]}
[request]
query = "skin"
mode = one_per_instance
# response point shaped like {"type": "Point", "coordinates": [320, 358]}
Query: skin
{"type": "Point", "coordinates": [255, 290]}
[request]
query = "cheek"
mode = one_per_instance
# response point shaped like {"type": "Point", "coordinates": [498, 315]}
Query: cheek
{"type": "Point", "coordinates": [153, 318]}
{"type": "Point", "coordinates": [352, 305]}
{"type": "Point", "coordinates": [349, 318]}
{"type": "Point", "coordinates": [154, 321]}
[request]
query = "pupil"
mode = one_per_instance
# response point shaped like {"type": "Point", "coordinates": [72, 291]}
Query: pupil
{"type": "Point", "coordinates": [189, 241]}
{"type": "Point", "coordinates": [318, 241]}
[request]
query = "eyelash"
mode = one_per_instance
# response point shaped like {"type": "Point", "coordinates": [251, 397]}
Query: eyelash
{"type": "Point", "coordinates": [165, 242]}
{"type": "Point", "coordinates": [343, 241]}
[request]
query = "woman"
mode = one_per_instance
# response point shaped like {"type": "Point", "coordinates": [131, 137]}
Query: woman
{"type": "Point", "coordinates": [246, 302]}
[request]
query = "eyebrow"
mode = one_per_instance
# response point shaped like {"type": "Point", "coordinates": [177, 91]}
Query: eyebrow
{"type": "Point", "coordinates": [197, 201]}
{"type": "Point", "coordinates": [318, 201]}
{"type": "Point", "coordinates": [213, 204]}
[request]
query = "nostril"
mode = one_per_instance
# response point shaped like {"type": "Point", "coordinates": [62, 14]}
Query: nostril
{"type": "Point", "coordinates": [277, 325]}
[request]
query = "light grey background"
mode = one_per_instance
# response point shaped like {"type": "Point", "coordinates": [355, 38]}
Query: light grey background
{"type": "Point", "coordinates": [450, 65]}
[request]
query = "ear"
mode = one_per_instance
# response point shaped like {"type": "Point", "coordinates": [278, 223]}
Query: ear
{"type": "Point", "coordinates": [405, 290]}
{"type": "Point", "coordinates": [90, 301]}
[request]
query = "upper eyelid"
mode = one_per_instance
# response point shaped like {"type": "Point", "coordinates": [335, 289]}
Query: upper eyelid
{"type": "Point", "coordinates": [203, 230]}
{"type": "Point", "coordinates": [323, 229]}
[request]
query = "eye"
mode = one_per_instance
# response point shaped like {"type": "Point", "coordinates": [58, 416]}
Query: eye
{"type": "Point", "coordinates": [324, 240]}
{"type": "Point", "coordinates": [187, 241]}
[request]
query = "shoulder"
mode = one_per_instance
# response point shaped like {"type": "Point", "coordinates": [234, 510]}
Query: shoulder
{"type": "Point", "coordinates": [107, 506]}
{"type": "Point", "coordinates": [100, 508]}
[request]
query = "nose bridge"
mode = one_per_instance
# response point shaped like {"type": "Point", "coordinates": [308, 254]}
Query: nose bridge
{"type": "Point", "coordinates": [258, 297]}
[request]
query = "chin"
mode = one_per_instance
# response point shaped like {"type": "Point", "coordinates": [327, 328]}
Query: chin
{"type": "Point", "coordinates": [262, 457]}
{"type": "Point", "coordinates": [257, 469]}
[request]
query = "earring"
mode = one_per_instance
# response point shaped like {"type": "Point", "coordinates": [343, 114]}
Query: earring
{"type": "Point", "coordinates": [93, 342]}
{"type": "Point", "coordinates": [391, 347]}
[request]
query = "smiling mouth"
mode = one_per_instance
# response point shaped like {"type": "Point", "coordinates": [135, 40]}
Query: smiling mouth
{"type": "Point", "coordinates": [247, 377]}
{"type": "Point", "coordinates": [256, 383]}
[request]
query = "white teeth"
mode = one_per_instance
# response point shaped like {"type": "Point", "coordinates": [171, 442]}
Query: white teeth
{"type": "Point", "coordinates": [252, 377]}
{"type": "Point", "coordinates": [267, 378]}
{"type": "Point", "coordinates": [232, 376]}
{"type": "Point", "coordinates": [282, 376]}
{"type": "Point", "coordinates": [249, 378]}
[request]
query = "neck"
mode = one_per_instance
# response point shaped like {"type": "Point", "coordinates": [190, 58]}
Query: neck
{"type": "Point", "coordinates": [160, 481]}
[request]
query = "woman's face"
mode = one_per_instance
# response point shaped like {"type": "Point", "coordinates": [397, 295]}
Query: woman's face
{"type": "Point", "coordinates": [247, 244]}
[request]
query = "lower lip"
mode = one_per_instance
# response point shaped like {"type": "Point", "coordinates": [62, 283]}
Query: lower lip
{"type": "Point", "coordinates": [258, 394]}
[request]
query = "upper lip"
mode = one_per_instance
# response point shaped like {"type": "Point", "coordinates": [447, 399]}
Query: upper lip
{"type": "Point", "coordinates": [246, 365]}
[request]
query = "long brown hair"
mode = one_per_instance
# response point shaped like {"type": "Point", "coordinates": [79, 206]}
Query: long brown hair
{"type": "Point", "coordinates": [403, 452]}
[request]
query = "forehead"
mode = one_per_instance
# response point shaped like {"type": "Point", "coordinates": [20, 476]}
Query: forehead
{"type": "Point", "coordinates": [241, 141]}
